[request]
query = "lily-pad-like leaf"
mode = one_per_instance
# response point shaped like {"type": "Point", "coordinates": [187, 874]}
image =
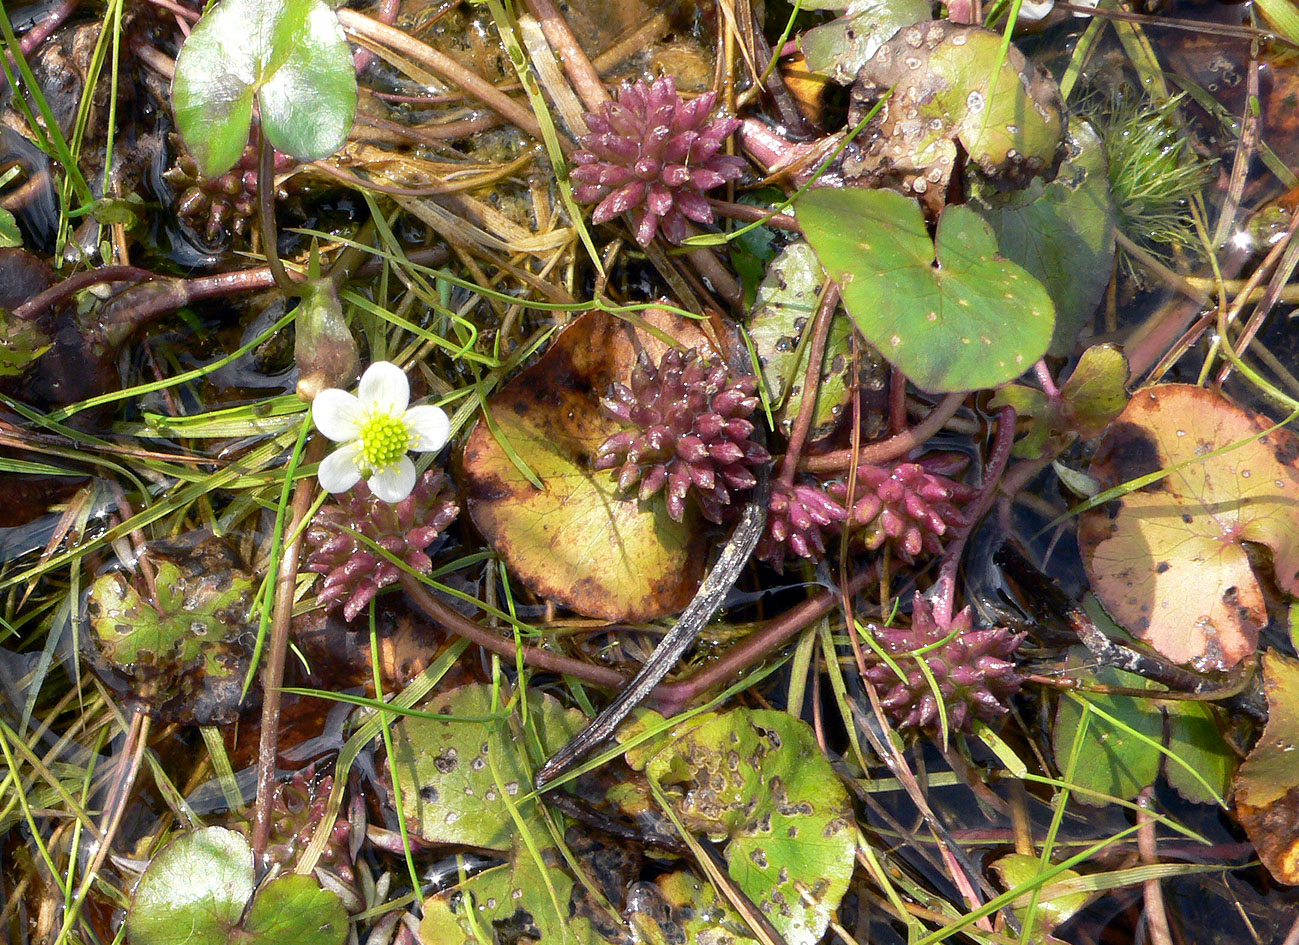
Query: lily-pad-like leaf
{"type": "Point", "coordinates": [953, 84]}
{"type": "Point", "coordinates": [757, 780]}
{"type": "Point", "coordinates": [678, 908]}
{"type": "Point", "coordinates": [1168, 560]}
{"type": "Point", "coordinates": [519, 901]}
{"type": "Point", "coordinates": [786, 303]}
{"type": "Point", "coordinates": [196, 892]}
{"type": "Point", "coordinates": [184, 652]}
{"type": "Point", "coordinates": [1267, 785]}
{"type": "Point", "coordinates": [950, 312]}
{"type": "Point", "coordinates": [1053, 908]}
{"type": "Point", "coordinates": [1063, 232]}
{"type": "Point", "coordinates": [1112, 761]}
{"type": "Point", "coordinates": [290, 55]}
{"type": "Point", "coordinates": [445, 769]}
{"type": "Point", "coordinates": [838, 49]}
{"type": "Point", "coordinates": [576, 540]}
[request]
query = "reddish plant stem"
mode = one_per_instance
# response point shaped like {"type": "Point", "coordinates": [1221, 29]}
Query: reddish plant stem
{"type": "Point", "coordinates": [811, 382]}
{"type": "Point", "coordinates": [266, 213]}
{"type": "Point", "coordinates": [992, 473]}
{"type": "Point", "coordinates": [670, 697]}
{"type": "Point", "coordinates": [1156, 915]}
{"type": "Point", "coordinates": [577, 65]}
{"type": "Point", "coordinates": [740, 211]}
{"type": "Point", "coordinates": [56, 293]}
{"type": "Point", "coordinates": [385, 13]}
{"type": "Point", "coordinates": [1043, 375]}
{"type": "Point", "coordinates": [895, 446]}
{"type": "Point", "coordinates": [273, 672]}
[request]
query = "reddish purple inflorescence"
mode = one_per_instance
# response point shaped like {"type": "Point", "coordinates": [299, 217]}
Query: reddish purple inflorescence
{"type": "Point", "coordinates": [354, 572]}
{"type": "Point", "coordinates": [694, 433]}
{"type": "Point", "coordinates": [653, 156]}
{"type": "Point", "coordinates": [910, 505]}
{"type": "Point", "coordinates": [974, 670]}
{"type": "Point", "coordinates": [796, 517]}
{"type": "Point", "coordinates": [223, 204]}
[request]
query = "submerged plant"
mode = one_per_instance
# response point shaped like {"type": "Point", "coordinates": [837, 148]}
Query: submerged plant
{"type": "Point", "coordinates": [354, 571]}
{"type": "Point", "coordinates": [654, 156]}
{"type": "Point", "coordinates": [217, 206]}
{"type": "Point", "coordinates": [694, 433]}
{"type": "Point", "coordinates": [1153, 171]}
{"type": "Point", "coordinates": [971, 671]}
{"type": "Point", "coordinates": [377, 430]}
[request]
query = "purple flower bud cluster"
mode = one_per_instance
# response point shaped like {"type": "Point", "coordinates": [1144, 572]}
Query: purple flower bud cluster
{"type": "Point", "coordinates": [691, 433]}
{"type": "Point", "coordinates": [973, 672]}
{"type": "Point", "coordinates": [654, 156]}
{"type": "Point", "coordinates": [910, 505]}
{"type": "Point", "coordinates": [224, 204]}
{"type": "Point", "coordinates": [797, 517]}
{"type": "Point", "coordinates": [355, 572]}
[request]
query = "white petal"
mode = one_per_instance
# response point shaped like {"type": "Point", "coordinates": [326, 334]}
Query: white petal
{"type": "Point", "coordinates": [395, 482]}
{"type": "Point", "coordinates": [338, 471]}
{"type": "Point", "coordinates": [337, 414]}
{"type": "Point", "coordinates": [384, 389]}
{"type": "Point", "coordinates": [430, 428]}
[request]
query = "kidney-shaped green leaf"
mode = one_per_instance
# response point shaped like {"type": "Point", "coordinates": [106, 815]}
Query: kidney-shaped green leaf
{"type": "Point", "coordinates": [950, 312]}
{"type": "Point", "coordinates": [290, 55]}
{"type": "Point", "coordinates": [757, 779]}
{"type": "Point", "coordinates": [196, 889]}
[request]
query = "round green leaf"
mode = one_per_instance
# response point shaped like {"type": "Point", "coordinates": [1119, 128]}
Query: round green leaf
{"type": "Point", "coordinates": [757, 779]}
{"type": "Point", "coordinates": [295, 909]}
{"type": "Point", "coordinates": [194, 890]}
{"type": "Point", "coordinates": [448, 787]}
{"type": "Point", "coordinates": [1063, 232]}
{"type": "Point", "coordinates": [290, 54]}
{"type": "Point", "coordinates": [951, 313]}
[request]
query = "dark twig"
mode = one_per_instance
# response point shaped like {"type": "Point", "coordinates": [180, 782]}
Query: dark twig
{"type": "Point", "coordinates": [721, 577]}
{"type": "Point", "coordinates": [895, 446]}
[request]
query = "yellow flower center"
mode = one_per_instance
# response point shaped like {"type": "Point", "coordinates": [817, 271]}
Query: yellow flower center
{"type": "Point", "coordinates": [384, 440]}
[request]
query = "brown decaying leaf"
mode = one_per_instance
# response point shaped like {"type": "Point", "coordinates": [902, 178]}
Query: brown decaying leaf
{"type": "Point", "coordinates": [1168, 560]}
{"type": "Point", "coordinates": [577, 541]}
{"type": "Point", "coordinates": [1267, 795]}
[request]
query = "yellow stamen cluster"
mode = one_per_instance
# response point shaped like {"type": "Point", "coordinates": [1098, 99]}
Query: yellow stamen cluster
{"type": "Point", "coordinates": [384, 440]}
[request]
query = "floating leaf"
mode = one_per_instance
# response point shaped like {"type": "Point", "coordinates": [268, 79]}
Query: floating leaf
{"type": "Point", "coordinates": [1168, 560]}
{"type": "Point", "coordinates": [445, 769]}
{"type": "Point", "coordinates": [786, 303]}
{"type": "Point", "coordinates": [1267, 785]}
{"type": "Point", "coordinates": [678, 908]}
{"type": "Point", "coordinates": [1112, 762]}
{"type": "Point", "coordinates": [197, 889]}
{"type": "Point", "coordinates": [1195, 736]}
{"type": "Point", "coordinates": [951, 85]}
{"type": "Point", "coordinates": [513, 902]}
{"type": "Point", "coordinates": [757, 780]}
{"type": "Point", "coordinates": [185, 651]}
{"type": "Point", "coordinates": [290, 55]}
{"type": "Point", "coordinates": [974, 320]}
{"type": "Point", "coordinates": [1054, 907]}
{"type": "Point", "coordinates": [838, 49]}
{"type": "Point", "coordinates": [577, 540]}
{"type": "Point", "coordinates": [1063, 232]}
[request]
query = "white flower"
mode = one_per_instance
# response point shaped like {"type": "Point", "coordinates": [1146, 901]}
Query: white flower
{"type": "Point", "coordinates": [376, 430]}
